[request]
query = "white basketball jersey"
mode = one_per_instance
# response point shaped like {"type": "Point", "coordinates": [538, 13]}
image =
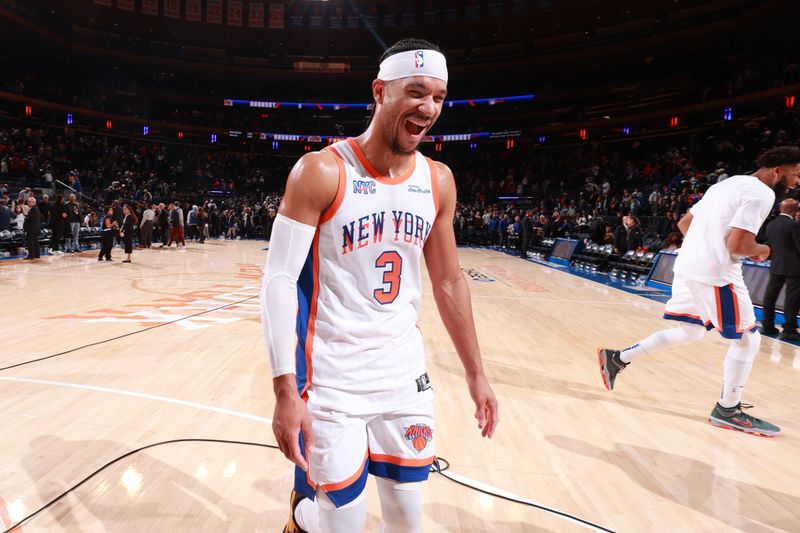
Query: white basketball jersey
{"type": "Point", "coordinates": [359, 350]}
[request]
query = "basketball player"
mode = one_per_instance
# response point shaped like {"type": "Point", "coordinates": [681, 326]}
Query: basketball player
{"type": "Point", "coordinates": [340, 299]}
{"type": "Point", "coordinates": [708, 291]}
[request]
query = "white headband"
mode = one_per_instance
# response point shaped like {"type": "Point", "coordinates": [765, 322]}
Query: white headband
{"type": "Point", "coordinates": [414, 63]}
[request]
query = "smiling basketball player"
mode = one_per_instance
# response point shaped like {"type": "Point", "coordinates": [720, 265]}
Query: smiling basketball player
{"type": "Point", "coordinates": [340, 299]}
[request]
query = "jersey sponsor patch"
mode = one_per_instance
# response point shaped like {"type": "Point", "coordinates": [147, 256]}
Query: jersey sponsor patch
{"type": "Point", "coordinates": [419, 435]}
{"type": "Point", "coordinates": [418, 189]}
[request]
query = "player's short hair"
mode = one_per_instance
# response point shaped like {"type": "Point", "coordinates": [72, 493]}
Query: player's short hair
{"type": "Point", "coordinates": [779, 156]}
{"type": "Point", "coordinates": [404, 45]}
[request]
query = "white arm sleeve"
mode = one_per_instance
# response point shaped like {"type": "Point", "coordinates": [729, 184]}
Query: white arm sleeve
{"type": "Point", "coordinates": [288, 250]}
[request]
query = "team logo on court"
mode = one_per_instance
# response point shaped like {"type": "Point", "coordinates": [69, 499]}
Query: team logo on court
{"type": "Point", "coordinates": [419, 59]}
{"type": "Point", "coordinates": [419, 435]}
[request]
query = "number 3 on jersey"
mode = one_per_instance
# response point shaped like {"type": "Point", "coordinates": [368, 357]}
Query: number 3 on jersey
{"type": "Point", "coordinates": [391, 277]}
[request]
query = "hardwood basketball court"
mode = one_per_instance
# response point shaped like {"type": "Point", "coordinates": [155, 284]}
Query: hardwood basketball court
{"type": "Point", "coordinates": [642, 458]}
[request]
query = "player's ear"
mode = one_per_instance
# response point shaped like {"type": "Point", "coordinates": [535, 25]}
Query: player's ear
{"type": "Point", "coordinates": [378, 91]}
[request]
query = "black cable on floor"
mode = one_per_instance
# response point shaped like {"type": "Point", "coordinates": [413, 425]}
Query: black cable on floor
{"type": "Point", "coordinates": [126, 334]}
{"type": "Point", "coordinates": [436, 468]}
{"type": "Point", "coordinates": [120, 458]}
{"type": "Point", "coordinates": [529, 504]}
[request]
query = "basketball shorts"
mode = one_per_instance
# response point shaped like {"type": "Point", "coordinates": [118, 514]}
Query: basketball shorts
{"type": "Point", "coordinates": [728, 308]}
{"type": "Point", "coordinates": [397, 446]}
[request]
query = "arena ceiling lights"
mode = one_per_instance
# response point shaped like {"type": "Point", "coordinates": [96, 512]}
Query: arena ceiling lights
{"type": "Point", "coordinates": [330, 139]}
{"type": "Point", "coordinates": [474, 102]}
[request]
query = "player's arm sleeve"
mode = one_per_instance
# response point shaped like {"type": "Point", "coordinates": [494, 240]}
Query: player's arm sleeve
{"type": "Point", "coordinates": [288, 249]}
{"type": "Point", "coordinates": [752, 212]}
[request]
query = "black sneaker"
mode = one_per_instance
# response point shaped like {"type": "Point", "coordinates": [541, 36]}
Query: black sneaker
{"type": "Point", "coordinates": [790, 336]}
{"type": "Point", "coordinates": [769, 330]}
{"type": "Point", "coordinates": [735, 418]}
{"type": "Point", "coordinates": [291, 525]}
{"type": "Point", "coordinates": [610, 366]}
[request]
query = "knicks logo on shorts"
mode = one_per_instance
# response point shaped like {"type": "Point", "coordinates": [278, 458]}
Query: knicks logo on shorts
{"type": "Point", "coordinates": [419, 435]}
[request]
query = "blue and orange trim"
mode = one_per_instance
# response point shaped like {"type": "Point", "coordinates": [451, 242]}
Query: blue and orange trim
{"type": "Point", "coordinates": [385, 466]}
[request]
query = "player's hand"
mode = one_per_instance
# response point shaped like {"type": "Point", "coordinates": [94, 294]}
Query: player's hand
{"type": "Point", "coordinates": [763, 256]}
{"type": "Point", "coordinates": [485, 404]}
{"type": "Point", "coordinates": [290, 417]}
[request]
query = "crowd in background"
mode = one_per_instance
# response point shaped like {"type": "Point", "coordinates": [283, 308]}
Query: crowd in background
{"type": "Point", "coordinates": [630, 195]}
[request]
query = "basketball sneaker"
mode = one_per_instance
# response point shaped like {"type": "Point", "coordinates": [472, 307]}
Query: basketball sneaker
{"type": "Point", "coordinates": [610, 366]}
{"type": "Point", "coordinates": [291, 525]}
{"type": "Point", "coordinates": [735, 418]}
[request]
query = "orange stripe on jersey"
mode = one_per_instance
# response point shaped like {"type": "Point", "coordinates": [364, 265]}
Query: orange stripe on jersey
{"type": "Point", "coordinates": [683, 315]}
{"type": "Point", "coordinates": [349, 481]}
{"type": "Point", "coordinates": [400, 461]}
{"type": "Point", "coordinates": [374, 173]}
{"type": "Point", "coordinates": [337, 201]}
{"type": "Point", "coordinates": [310, 482]}
{"type": "Point", "coordinates": [434, 184]}
{"type": "Point", "coordinates": [720, 325]}
{"type": "Point", "coordinates": [312, 316]}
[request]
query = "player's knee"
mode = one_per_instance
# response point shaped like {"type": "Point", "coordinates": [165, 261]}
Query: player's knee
{"type": "Point", "coordinates": [401, 504]}
{"type": "Point", "coordinates": [749, 344]}
{"type": "Point", "coordinates": [692, 333]}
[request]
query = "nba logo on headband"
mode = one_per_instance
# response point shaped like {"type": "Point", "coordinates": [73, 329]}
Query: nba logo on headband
{"type": "Point", "coordinates": [414, 63]}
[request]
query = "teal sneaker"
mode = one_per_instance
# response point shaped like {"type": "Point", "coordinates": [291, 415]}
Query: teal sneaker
{"type": "Point", "coordinates": [610, 366]}
{"type": "Point", "coordinates": [735, 418]}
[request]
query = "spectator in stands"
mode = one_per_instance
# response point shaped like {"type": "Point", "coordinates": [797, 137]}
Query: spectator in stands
{"type": "Point", "coordinates": [126, 232]}
{"type": "Point", "coordinates": [783, 238]}
{"type": "Point", "coordinates": [44, 208]}
{"type": "Point", "coordinates": [74, 223]}
{"type": "Point", "coordinates": [597, 229]}
{"type": "Point", "coordinates": [526, 233]}
{"type": "Point", "coordinates": [214, 223]}
{"type": "Point", "coordinates": [176, 227]}
{"type": "Point", "coordinates": [6, 197]}
{"type": "Point", "coordinates": [247, 223]}
{"type": "Point", "coordinates": [58, 222]}
{"type": "Point", "coordinates": [109, 229]}
{"type": "Point", "coordinates": [621, 236]}
{"type": "Point", "coordinates": [635, 234]}
{"type": "Point", "coordinates": [609, 236]}
{"type": "Point", "coordinates": [230, 224]}
{"type": "Point", "coordinates": [5, 216]}
{"type": "Point", "coordinates": [74, 181]}
{"type": "Point", "coordinates": [182, 218]}
{"type": "Point", "coordinates": [494, 229]}
{"type": "Point", "coordinates": [146, 229]}
{"type": "Point", "coordinates": [191, 224]}
{"type": "Point", "coordinates": [201, 224]}
{"type": "Point", "coordinates": [162, 223]}
{"type": "Point", "coordinates": [18, 219]}
{"type": "Point", "coordinates": [672, 242]}
{"type": "Point", "coordinates": [32, 226]}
